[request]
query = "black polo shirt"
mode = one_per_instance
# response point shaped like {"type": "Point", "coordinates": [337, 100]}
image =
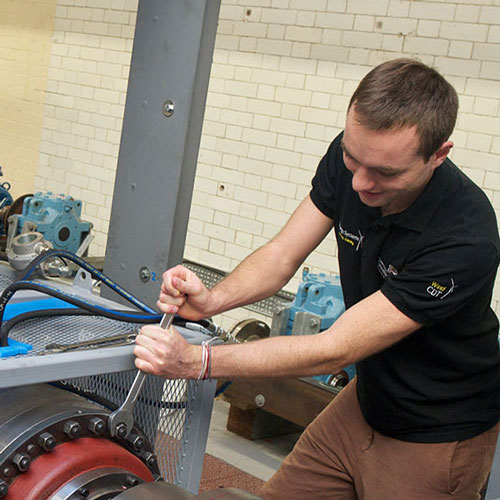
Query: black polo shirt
{"type": "Point", "coordinates": [436, 262]}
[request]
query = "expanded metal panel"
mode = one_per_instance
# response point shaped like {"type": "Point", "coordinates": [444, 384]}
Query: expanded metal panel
{"type": "Point", "coordinates": [210, 277]}
{"type": "Point", "coordinates": [40, 332]}
{"type": "Point", "coordinates": [162, 412]}
{"type": "Point", "coordinates": [5, 280]}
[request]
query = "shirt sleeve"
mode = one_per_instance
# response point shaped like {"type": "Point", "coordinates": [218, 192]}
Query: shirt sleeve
{"type": "Point", "coordinates": [438, 280]}
{"type": "Point", "coordinates": [324, 181]}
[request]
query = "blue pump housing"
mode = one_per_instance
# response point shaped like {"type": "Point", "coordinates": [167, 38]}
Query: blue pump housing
{"type": "Point", "coordinates": [318, 294]}
{"type": "Point", "coordinates": [57, 217]}
{"type": "Point", "coordinates": [321, 295]}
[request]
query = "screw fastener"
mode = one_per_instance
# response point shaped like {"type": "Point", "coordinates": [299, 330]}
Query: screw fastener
{"type": "Point", "coordinates": [4, 489]}
{"type": "Point", "coordinates": [131, 481]}
{"type": "Point", "coordinates": [260, 400]}
{"type": "Point", "coordinates": [168, 108]}
{"type": "Point", "coordinates": [150, 459]}
{"type": "Point", "coordinates": [144, 274]}
{"type": "Point", "coordinates": [84, 492]}
{"type": "Point", "coordinates": [7, 471]}
{"type": "Point", "coordinates": [22, 461]}
{"type": "Point", "coordinates": [136, 441]}
{"type": "Point", "coordinates": [72, 429]}
{"type": "Point", "coordinates": [96, 426]}
{"type": "Point", "coordinates": [122, 431]}
{"type": "Point", "coordinates": [46, 441]}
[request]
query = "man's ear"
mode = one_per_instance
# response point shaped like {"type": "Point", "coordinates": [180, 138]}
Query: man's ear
{"type": "Point", "coordinates": [440, 155]}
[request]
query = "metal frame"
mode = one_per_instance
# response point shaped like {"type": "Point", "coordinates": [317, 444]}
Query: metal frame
{"type": "Point", "coordinates": [189, 474]}
{"type": "Point", "coordinates": [166, 96]}
{"type": "Point", "coordinates": [493, 490]}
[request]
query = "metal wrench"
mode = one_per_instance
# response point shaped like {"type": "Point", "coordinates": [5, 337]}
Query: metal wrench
{"type": "Point", "coordinates": [121, 421]}
{"type": "Point", "coordinates": [122, 339]}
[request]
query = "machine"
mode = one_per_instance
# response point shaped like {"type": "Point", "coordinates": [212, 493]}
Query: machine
{"type": "Point", "coordinates": [69, 427]}
{"type": "Point", "coordinates": [55, 439]}
{"type": "Point", "coordinates": [317, 305]}
{"type": "Point", "coordinates": [57, 218]}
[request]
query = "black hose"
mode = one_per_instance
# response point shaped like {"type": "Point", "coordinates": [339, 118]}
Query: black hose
{"type": "Point", "coordinates": [131, 317]}
{"type": "Point", "coordinates": [44, 313]}
{"type": "Point", "coordinates": [11, 323]}
{"type": "Point", "coordinates": [96, 274]}
{"type": "Point", "coordinates": [85, 308]}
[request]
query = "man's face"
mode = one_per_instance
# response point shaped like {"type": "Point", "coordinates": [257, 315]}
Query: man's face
{"type": "Point", "coordinates": [386, 170]}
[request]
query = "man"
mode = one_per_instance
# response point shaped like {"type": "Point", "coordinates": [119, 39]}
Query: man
{"type": "Point", "coordinates": [418, 251]}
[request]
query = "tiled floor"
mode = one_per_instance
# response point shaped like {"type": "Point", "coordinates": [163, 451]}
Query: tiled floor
{"type": "Point", "coordinates": [259, 458]}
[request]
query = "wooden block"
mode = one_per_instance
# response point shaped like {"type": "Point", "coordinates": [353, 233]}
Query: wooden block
{"type": "Point", "coordinates": [265, 408]}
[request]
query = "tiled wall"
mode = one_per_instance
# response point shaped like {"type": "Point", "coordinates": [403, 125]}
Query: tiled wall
{"type": "Point", "coordinates": [281, 80]}
{"type": "Point", "coordinates": [84, 104]}
{"type": "Point", "coordinates": [282, 75]}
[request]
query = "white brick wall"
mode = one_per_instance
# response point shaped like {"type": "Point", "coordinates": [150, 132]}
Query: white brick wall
{"type": "Point", "coordinates": [282, 76]}
{"type": "Point", "coordinates": [85, 96]}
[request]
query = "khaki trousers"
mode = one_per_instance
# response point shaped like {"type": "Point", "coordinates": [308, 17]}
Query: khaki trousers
{"type": "Point", "coordinates": [340, 457]}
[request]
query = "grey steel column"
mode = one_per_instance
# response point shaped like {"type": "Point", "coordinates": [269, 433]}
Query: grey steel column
{"type": "Point", "coordinates": [493, 490]}
{"type": "Point", "coordinates": [190, 465]}
{"type": "Point", "coordinates": [169, 74]}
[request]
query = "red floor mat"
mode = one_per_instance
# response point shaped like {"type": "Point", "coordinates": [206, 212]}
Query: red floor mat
{"type": "Point", "coordinates": [219, 474]}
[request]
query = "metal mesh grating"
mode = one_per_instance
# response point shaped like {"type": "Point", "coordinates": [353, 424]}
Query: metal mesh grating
{"type": "Point", "coordinates": [5, 280]}
{"type": "Point", "coordinates": [162, 411]}
{"type": "Point", "coordinates": [40, 332]}
{"type": "Point", "coordinates": [210, 277]}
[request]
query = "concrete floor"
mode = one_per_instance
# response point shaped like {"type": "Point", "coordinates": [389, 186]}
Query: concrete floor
{"type": "Point", "coordinates": [261, 458]}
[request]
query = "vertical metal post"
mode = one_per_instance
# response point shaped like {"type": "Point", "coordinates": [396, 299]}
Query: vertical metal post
{"type": "Point", "coordinates": [493, 490]}
{"type": "Point", "coordinates": [168, 82]}
{"type": "Point", "coordinates": [195, 436]}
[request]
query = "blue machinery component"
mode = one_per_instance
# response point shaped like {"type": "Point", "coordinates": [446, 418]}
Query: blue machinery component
{"type": "Point", "coordinates": [317, 305]}
{"type": "Point", "coordinates": [5, 198]}
{"type": "Point", "coordinates": [320, 295]}
{"type": "Point", "coordinates": [57, 217]}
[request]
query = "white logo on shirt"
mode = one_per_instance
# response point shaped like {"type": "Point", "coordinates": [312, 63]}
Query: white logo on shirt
{"type": "Point", "coordinates": [354, 240]}
{"type": "Point", "coordinates": [439, 291]}
{"type": "Point", "coordinates": [386, 270]}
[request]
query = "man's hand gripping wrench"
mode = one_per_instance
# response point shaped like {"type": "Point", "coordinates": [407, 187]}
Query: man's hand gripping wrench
{"type": "Point", "coordinates": [121, 421]}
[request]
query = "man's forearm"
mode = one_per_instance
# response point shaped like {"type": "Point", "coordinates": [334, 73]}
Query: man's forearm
{"type": "Point", "coordinates": [368, 327]}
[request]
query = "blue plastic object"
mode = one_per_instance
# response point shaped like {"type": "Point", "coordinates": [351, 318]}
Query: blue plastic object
{"type": "Point", "coordinates": [57, 217]}
{"type": "Point", "coordinates": [14, 348]}
{"type": "Point", "coordinates": [12, 310]}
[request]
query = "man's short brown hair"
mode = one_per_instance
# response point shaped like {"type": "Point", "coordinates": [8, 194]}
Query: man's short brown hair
{"type": "Point", "coordinates": [406, 92]}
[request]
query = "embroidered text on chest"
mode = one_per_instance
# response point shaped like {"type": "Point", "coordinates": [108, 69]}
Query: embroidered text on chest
{"type": "Point", "coordinates": [355, 240]}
